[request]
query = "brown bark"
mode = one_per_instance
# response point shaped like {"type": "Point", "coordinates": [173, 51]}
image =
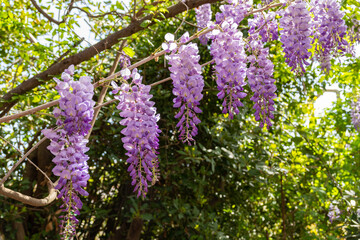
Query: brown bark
{"type": "Point", "coordinates": [43, 158]}
{"type": "Point", "coordinates": [20, 231]}
{"type": "Point", "coordinates": [134, 232]}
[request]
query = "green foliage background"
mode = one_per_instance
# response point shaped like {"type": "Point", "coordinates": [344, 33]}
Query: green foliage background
{"type": "Point", "coordinates": [237, 182]}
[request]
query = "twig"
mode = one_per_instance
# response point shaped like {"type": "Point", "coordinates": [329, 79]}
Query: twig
{"type": "Point", "coordinates": [106, 103]}
{"type": "Point", "coordinates": [44, 13]}
{"type": "Point", "coordinates": [105, 87]}
{"type": "Point", "coordinates": [30, 111]}
{"type": "Point", "coordinates": [264, 8]}
{"type": "Point", "coordinates": [20, 161]}
{"type": "Point", "coordinates": [68, 51]}
{"type": "Point", "coordinates": [189, 23]}
{"type": "Point", "coordinates": [48, 16]}
{"type": "Point", "coordinates": [100, 15]}
{"type": "Point", "coordinates": [183, 20]}
{"type": "Point", "coordinates": [46, 176]}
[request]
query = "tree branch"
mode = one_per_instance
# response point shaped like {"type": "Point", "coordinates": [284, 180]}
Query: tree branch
{"type": "Point", "coordinates": [31, 162]}
{"type": "Point", "coordinates": [105, 88]}
{"type": "Point", "coordinates": [6, 103]}
{"type": "Point", "coordinates": [7, 175]}
{"type": "Point", "coordinates": [30, 111]}
{"type": "Point", "coordinates": [27, 199]}
{"type": "Point", "coordinates": [48, 16]}
{"type": "Point", "coordinates": [68, 51]}
{"type": "Point", "coordinates": [100, 15]}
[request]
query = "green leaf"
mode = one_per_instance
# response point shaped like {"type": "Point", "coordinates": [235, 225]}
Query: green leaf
{"type": "Point", "coordinates": [129, 51]}
{"type": "Point", "coordinates": [119, 5]}
{"type": "Point", "coordinates": [145, 23]}
{"type": "Point", "coordinates": [147, 216]}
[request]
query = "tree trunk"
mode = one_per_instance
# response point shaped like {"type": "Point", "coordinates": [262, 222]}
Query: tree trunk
{"type": "Point", "coordinates": [134, 232]}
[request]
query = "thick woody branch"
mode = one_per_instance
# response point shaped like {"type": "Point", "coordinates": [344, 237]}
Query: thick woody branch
{"type": "Point", "coordinates": [6, 103]}
{"type": "Point", "coordinates": [27, 199]}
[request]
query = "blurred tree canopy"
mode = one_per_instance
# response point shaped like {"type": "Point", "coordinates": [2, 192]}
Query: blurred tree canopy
{"type": "Point", "coordinates": [237, 182]}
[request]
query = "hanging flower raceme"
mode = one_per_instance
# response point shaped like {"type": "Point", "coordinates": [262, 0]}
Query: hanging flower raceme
{"type": "Point", "coordinates": [264, 24]}
{"type": "Point", "coordinates": [203, 17]}
{"type": "Point", "coordinates": [227, 49]}
{"type": "Point", "coordinates": [295, 35]}
{"type": "Point", "coordinates": [355, 114]}
{"type": "Point", "coordinates": [188, 85]}
{"type": "Point", "coordinates": [262, 84]}
{"type": "Point", "coordinates": [68, 144]}
{"type": "Point", "coordinates": [141, 130]}
{"type": "Point", "coordinates": [330, 31]}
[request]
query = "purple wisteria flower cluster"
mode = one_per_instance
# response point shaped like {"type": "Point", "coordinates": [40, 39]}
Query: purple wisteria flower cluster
{"type": "Point", "coordinates": [330, 31]}
{"type": "Point", "coordinates": [203, 17]}
{"type": "Point", "coordinates": [355, 114]}
{"type": "Point", "coordinates": [227, 49]}
{"type": "Point", "coordinates": [265, 25]}
{"type": "Point", "coordinates": [235, 10]}
{"type": "Point", "coordinates": [188, 85]}
{"type": "Point", "coordinates": [68, 144]}
{"type": "Point", "coordinates": [260, 79]}
{"type": "Point", "coordinates": [334, 212]}
{"type": "Point", "coordinates": [296, 30]}
{"type": "Point", "coordinates": [141, 130]}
